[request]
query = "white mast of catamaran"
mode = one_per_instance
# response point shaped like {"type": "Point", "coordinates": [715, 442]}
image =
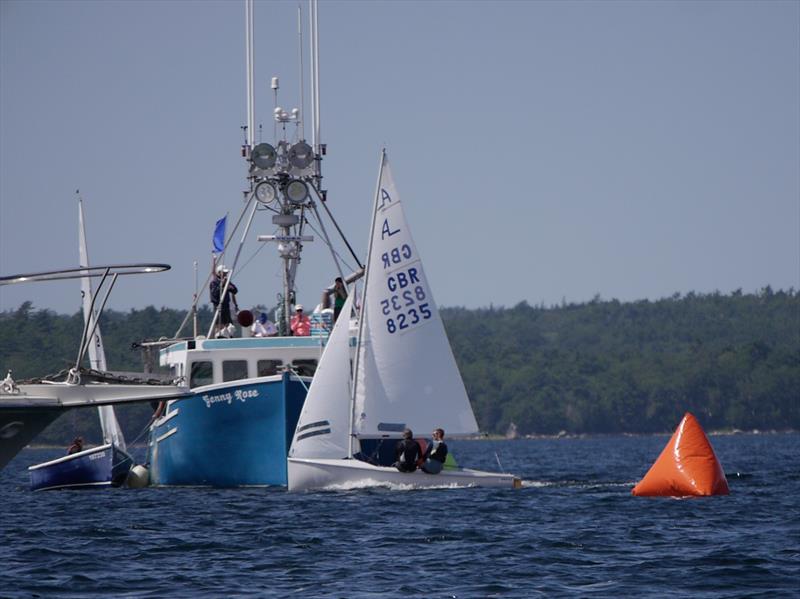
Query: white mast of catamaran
{"type": "Point", "coordinates": [112, 433]}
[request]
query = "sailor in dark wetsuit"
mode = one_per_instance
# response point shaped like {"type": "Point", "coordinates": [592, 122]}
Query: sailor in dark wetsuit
{"type": "Point", "coordinates": [407, 453]}
{"type": "Point", "coordinates": [436, 453]}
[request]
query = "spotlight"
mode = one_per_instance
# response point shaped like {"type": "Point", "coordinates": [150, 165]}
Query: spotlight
{"type": "Point", "coordinates": [265, 192]}
{"type": "Point", "coordinates": [264, 156]}
{"type": "Point", "coordinates": [296, 191]}
{"type": "Point", "coordinates": [301, 155]}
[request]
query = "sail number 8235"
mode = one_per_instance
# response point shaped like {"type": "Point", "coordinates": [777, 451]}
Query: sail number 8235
{"type": "Point", "coordinates": [407, 309]}
{"type": "Point", "coordinates": [408, 319]}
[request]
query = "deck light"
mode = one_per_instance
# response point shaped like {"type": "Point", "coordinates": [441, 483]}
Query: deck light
{"type": "Point", "coordinates": [301, 155]}
{"type": "Point", "coordinates": [265, 192]}
{"type": "Point", "coordinates": [296, 191]}
{"type": "Point", "coordinates": [264, 156]}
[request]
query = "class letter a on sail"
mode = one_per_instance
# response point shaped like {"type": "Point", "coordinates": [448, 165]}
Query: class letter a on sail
{"type": "Point", "coordinates": [406, 375]}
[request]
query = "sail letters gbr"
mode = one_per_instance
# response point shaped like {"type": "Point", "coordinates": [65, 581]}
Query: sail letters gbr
{"type": "Point", "coordinates": [404, 303]}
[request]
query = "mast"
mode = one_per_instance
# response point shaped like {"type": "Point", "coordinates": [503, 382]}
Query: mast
{"type": "Point", "coordinates": [194, 303]}
{"type": "Point", "coordinates": [248, 36]}
{"type": "Point", "coordinates": [97, 357]}
{"type": "Point", "coordinates": [316, 76]}
{"type": "Point", "coordinates": [313, 58]}
{"type": "Point", "coordinates": [112, 433]}
{"type": "Point", "coordinates": [283, 174]}
{"type": "Point", "coordinates": [363, 315]}
{"type": "Point", "coordinates": [300, 54]}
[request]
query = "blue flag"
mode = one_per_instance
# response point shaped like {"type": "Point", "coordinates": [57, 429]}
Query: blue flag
{"type": "Point", "coordinates": [219, 234]}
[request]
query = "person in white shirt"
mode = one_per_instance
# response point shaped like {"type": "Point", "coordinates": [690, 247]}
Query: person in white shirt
{"type": "Point", "coordinates": [263, 327]}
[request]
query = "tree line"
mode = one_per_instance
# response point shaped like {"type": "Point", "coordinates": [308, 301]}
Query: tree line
{"type": "Point", "coordinates": [602, 366]}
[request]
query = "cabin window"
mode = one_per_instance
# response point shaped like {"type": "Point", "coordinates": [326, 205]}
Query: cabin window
{"type": "Point", "coordinates": [269, 367]}
{"type": "Point", "coordinates": [305, 367]}
{"type": "Point", "coordinates": [233, 370]}
{"type": "Point", "coordinates": [202, 374]}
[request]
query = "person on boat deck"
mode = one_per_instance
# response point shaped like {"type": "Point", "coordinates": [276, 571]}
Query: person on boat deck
{"type": "Point", "coordinates": [339, 297]}
{"type": "Point", "coordinates": [436, 453]}
{"type": "Point", "coordinates": [76, 447]}
{"type": "Point", "coordinates": [301, 324]}
{"type": "Point", "coordinates": [407, 453]}
{"type": "Point", "coordinates": [215, 288]}
{"type": "Point", "coordinates": [263, 327]}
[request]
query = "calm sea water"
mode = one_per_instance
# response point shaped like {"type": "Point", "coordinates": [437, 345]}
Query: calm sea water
{"type": "Point", "coordinates": [574, 529]}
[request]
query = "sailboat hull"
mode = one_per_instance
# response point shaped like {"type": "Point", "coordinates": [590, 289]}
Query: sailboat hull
{"type": "Point", "coordinates": [228, 435]}
{"type": "Point", "coordinates": [103, 466]}
{"type": "Point", "coordinates": [307, 474]}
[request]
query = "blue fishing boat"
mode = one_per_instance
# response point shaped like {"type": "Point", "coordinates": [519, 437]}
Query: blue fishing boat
{"type": "Point", "coordinates": [103, 466]}
{"type": "Point", "coordinates": [236, 428]}
{"type": "Point", "coordinates": [247, 391]}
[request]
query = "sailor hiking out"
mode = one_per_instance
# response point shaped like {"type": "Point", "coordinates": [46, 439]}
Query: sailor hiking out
{"type": "Point", "coordinates": [435, 454]}
{"type": "Point", "coordinates": [407, 453]}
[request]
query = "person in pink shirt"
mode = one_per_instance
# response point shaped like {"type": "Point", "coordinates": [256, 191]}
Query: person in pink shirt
{"type": "Point", "coordinates": [301, 324]}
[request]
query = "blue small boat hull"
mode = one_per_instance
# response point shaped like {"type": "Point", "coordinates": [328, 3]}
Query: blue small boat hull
{"type": "Point", "coordinates": [230, 435]}
{"type": "Point", "coordinates": [104, 466]}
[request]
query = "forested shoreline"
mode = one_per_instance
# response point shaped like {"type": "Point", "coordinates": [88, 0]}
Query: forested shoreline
{"type": "Point", "coordinates": [602, 366]}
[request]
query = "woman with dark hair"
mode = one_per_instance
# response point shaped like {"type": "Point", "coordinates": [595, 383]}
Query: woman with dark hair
{"type": "Point", "coordinates": [339, 297]}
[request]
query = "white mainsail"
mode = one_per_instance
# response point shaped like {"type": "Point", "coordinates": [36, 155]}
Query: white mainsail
{"type": "Point", "coordinates": [323, 430]}
{"type": "Point", "coordinates": [112, 433]}
{"type": "Point", "coordinates": [406, 375]}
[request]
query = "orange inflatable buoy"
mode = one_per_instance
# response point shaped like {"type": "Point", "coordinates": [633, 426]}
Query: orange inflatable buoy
{"type": "Point", "coordinates": [686, 467]}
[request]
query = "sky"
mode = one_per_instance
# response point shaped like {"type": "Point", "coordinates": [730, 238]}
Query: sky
{"type": "Point", "coordinates": [544, 151]}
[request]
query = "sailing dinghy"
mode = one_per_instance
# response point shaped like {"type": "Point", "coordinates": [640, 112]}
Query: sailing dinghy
{"type": "Point", "coordinates": [109, 463]}
{"type": "Point", "coordinates": [405, 375]}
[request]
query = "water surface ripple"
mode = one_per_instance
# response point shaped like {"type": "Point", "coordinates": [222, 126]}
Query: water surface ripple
{"type": "Point", "coordinates": [573, 530]}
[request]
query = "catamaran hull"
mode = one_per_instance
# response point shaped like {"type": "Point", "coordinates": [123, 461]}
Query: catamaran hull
{"type": "Point", "coordinates": [20, 425]}
{"type": "Point", "coordinates": [103, 466]}
{"type": "Point", "coordinates": [307, 474]}
{"type": "Point", "coordinates": [228, 435]}
{"type": "Point", "coordinates": [27, 410]}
